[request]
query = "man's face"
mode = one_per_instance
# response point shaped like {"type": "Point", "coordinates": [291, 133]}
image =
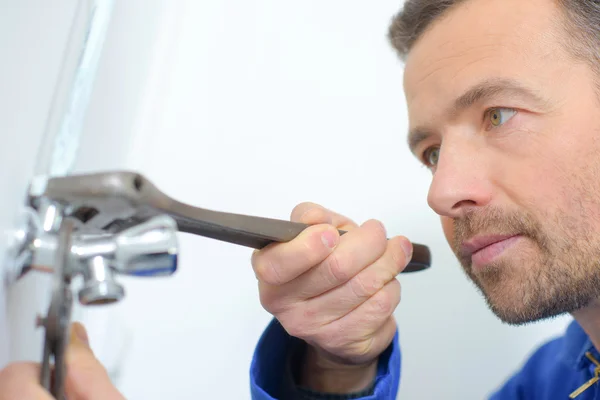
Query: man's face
{"type": "Point", "coordinates": [509, 123]}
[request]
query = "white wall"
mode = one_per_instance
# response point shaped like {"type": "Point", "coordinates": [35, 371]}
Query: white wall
{"type": "Point", "coordinates": [253, 107]}
{"type": "Point", "coordinates": [33, 36]}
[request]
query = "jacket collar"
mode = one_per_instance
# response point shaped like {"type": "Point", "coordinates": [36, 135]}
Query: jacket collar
{"type": "Point", "coordinates": [576, 343]}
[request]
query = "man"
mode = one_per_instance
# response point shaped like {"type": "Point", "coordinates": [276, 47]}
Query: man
{"type": "Point", "coordinates": [504, 108]}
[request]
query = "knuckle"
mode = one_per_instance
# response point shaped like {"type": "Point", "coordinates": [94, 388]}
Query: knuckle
{"type": "Point", "coordinates": [364, 286]}
{"type": "Point", "coordinates": [378, 229]}
{"type": "Point", "coordinates": [297, 212]}
{"type": "Point", "coordinates": [267, 303]}
{"type": "Point", "coordinates": [298, 256]}
{"type": "Point", "coordinates": [383, 303]}
{"type": "Point", "coordinates": [271, 302]}
{"type": "Point", "coordinates": [315, 216]}
{"type": "Point", "coordinates": [336, 268]}
{"type": "Point", "coordinates": [371, 281]}
{"type": "Point", "coordinates": [378, 281]}
{"type": "Point", "coordinates": [358, 287]}
{"type": "Point", "coordinates": [267, 271]}
{"type": "Point", "coordinates": [302, 208]}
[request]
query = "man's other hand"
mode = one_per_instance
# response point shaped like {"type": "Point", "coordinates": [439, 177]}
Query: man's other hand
{"type": "Point", "coordinates": [86, 378]}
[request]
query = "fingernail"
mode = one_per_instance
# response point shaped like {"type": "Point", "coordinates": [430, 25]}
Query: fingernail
{"type": "Point", "coordinates": [329, 238]}
{"type": "Point", "coordinates": [80, 334]}
{"type": "Point", "coordinates": [407, 247]}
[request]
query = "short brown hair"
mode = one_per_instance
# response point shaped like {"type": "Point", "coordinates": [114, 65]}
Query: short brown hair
{"type": "Point", "coordinates": [581, 22]}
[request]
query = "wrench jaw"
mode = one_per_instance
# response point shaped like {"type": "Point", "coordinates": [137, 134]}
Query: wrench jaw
{"type": "Point", "coordinates": [101, 202]}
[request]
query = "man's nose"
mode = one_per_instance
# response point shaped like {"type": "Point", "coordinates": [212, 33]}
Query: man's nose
{"type": "Point", "coordinates": [461, 181]}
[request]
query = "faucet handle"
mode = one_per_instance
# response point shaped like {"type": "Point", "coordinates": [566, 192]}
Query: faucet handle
{"type": "Point", "coordinates": [147, 249]}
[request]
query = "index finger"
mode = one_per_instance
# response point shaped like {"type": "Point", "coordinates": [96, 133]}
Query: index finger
{"type": "Point", "coordinates": [280, 263]}
{"type": "Point", "coordinates": [312, 214]}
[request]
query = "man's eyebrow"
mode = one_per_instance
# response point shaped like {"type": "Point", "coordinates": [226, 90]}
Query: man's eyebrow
{"type": "Point", "coordinates": [490, 88]}
{"type": "Point", "coordinates": [481, 91]}
{"type": "Point", "coordinates": [416, 136]}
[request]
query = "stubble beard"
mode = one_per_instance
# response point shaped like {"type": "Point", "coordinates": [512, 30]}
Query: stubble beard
{"type": "Point", "coordinates": [553, 273]}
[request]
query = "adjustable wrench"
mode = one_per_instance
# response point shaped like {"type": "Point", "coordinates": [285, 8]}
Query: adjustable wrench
{"type": "Point", "coordinates": [113, 201]}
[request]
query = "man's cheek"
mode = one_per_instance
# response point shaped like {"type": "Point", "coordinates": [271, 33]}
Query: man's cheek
{"type": "Point", "coordinates": [448, 228]}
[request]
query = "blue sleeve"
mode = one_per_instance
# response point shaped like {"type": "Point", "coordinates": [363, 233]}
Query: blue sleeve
{"type": "Point", "coordinates": [270, 377]}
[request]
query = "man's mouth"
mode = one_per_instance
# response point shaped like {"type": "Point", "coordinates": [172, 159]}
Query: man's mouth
{"type": "Point", "coordinates": [484, 249]}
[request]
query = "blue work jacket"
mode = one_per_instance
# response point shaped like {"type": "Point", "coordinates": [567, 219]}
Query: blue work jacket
{"type": "Point", "coordinates": [554, 371]}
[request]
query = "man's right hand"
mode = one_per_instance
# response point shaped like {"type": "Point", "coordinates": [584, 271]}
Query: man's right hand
{"type": "Point", "coordinates": [86, 377]}
{"type": "Point", "coordinates": [338, 294]}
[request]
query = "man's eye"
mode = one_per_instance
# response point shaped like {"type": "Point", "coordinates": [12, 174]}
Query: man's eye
{"type": "Point", "coordinates": [431, 156]}
{"type": "Point", "coordinates": [499, 116]}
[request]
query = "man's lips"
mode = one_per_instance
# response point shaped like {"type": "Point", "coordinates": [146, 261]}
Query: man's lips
{"type": "Point", "coordinates": [477, 243]}
{"type": "Point", "coordinates": [484, 249]}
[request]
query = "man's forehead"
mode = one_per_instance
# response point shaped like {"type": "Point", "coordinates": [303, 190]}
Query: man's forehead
{"type": "Point", "coordinates": [477, 40]}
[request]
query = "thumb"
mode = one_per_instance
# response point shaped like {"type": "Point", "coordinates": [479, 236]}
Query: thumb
{"type": "Point", "coordinates": [87, 379]}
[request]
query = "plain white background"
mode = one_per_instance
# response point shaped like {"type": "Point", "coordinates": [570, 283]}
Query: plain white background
{"type": "Point", "coordinates": [252, 107]}
{"type": "Point", "coordinates": [33, 36]}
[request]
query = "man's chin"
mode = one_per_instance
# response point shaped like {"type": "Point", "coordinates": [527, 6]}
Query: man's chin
{"type": "Point", "coordinates": [520, 314]}
{"type": "Point", "coordinates": [542, 291]}
{"type": "Point", "coordinates": [512, 308]}
{"type": "Point", "coordinates": [515, 317]}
